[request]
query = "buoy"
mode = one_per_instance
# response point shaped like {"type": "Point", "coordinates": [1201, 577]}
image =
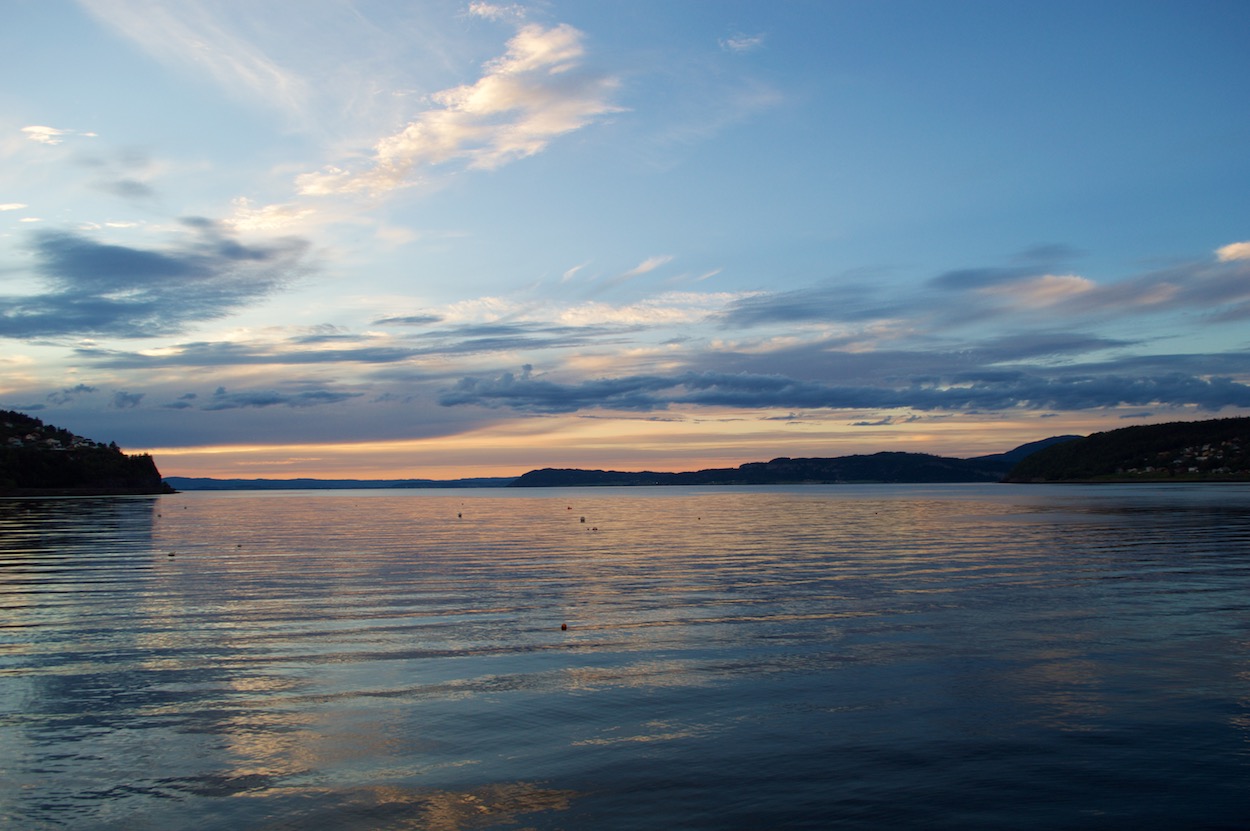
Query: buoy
{"type": "Point", "coordinates": [583, 519]}
{"type": "Point", "coordinates": [564, 627]}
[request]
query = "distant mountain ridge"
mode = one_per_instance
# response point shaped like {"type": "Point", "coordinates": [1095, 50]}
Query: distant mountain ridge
{"type": "Point", "coordinates": [192, 483]}
{"type": "Point", "coordinates": [37, 459]}
{"type": "Point", "coordinates": [885, 467]}
{"type": "Point", "coordinates": [878, 467]}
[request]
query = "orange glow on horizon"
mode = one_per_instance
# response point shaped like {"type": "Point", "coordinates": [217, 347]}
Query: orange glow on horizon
{"type": "Point", "coordinates": [671, 442]}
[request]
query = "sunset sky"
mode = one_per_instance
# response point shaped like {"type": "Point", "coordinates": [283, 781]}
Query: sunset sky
{"type": "Point", "coordinates": [446, 239]}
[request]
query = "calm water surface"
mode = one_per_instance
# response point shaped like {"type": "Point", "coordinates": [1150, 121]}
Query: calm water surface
{"type": "Point", "coordinates": [947, 657]}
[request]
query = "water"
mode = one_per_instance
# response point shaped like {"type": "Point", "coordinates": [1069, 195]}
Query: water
{"type": "Point", "coordinates": [947, 657]}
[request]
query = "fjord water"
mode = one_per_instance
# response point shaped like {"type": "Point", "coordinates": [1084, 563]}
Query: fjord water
{"type": "Point", "coordinates": [818, 657]}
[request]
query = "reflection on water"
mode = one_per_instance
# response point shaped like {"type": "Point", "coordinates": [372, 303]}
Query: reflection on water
{"type": "Point", "coordinates": [938, 657]}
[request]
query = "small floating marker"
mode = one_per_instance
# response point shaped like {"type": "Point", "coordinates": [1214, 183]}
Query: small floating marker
{"type": "Point", "coordinates": [459, 515]}
{"type": "Point", "coordinates": [564, 627]}
{"type": "Point", "coordinates": [583, 519]}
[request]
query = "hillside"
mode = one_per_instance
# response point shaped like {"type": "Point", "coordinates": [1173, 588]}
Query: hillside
{"type": "Point", "coordinates": [1215, 450]}
{"type": "Point", "coordinates": [38, 459]}
{"type": "Point", "coordinates": [885, 467]}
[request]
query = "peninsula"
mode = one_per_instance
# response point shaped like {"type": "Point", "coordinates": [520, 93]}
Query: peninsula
{"type": "Point", "coordinates": [37, 459]}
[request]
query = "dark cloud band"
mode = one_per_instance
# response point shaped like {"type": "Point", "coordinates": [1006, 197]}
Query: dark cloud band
{"type": "Point", "coordinates": [98, 289]}
{"type": "Point", "coordinates": [1008, 391]}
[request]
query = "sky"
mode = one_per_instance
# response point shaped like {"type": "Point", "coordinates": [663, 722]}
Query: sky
{"type": "Point", "coordinates": [382, 239]}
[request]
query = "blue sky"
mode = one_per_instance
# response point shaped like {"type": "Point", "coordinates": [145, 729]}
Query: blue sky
{"type": "Point", "coordinates": [450, 239]}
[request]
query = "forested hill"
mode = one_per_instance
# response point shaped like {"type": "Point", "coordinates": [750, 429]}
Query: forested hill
{"type": "Point", "coordinates": [39, 459]}
{"type": "Point", "coordinates": [1215, 450]}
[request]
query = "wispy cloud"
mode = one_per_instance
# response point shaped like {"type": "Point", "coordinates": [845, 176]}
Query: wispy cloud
{"type": "Point", "coordinates": [195, 35]}
{"type": "Point", "coordinates": [648, 265]}
{"type": "Point", "coordinates": [569, 274]}
{"type": "Point", "coordinates": [52, 135]}
{"type": "Point", "coordinates": [742, 43]}
{"type": "Point", "coordinates": [537, 91]}
{"type": "Point", "coordinates": [497, 11]}
{"type": "Point", "coordinates": [268, 218]}
{"type": "Point", "coordinates": [977, 296]}
{"type": "Point", "coordinates": [12, 206]}
{"type": "Point", "coordinates": [1046, 290]}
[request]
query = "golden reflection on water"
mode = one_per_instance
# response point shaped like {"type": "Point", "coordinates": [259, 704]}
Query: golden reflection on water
{"type": "Point", "coordinates": [390, 808]}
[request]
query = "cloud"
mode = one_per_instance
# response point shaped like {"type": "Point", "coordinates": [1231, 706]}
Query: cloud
{"type": "Point", "coordinates": [12, 206]}
{"type": "Point", "coordinates": [222, 354]}
{"type": "Point", "coordinates": [1220, 289]}
{"type": "Point", "coordinates": [1006, 391]}
{"type": "Point", "coordinates": [529, 394]}
{"type": "Point", "coordinates": [536, 92]}
{"type": "Point", "coordinates": [66, 396]}
{"type": "Point", "coordinates": [1046, 290]}
{"type": "Point", "coordinates": [126, 400]}
{"type": "Point", "coordinates": [126, 188]}
{"type": "Point", "coordinates": [1027, 346]}
{"type": "Point", "coordinates": [888, 421]}
{"type": "Point", "coordinates": [497, 11]}
{"type": "Point", "coordinates": [1047, 253]}
{"type": "Point", "coordinates": [742, 43]}
{"type": "Point", "coordinates": [1234, 251]}
{"type": "Point", "coordinates": [305, 350]}
{"type": "Point", "coordinates": [1203, 286]}
{"type": "Point", "coordinates": [51, 135]}
{"type": "Point", "coordinates": [570, 273]}
{"type": "Point", "coordinates": [196, 35]}
{"type": "Point", "coordinates": [268, 218]}
{"type": "Point", "coordinates": [409, 320]}
{"type": "Point", "coordinates": [847, 302]}
{"type": "Point", "coordinates": [223, 400]}
{"type": "Point", "coordinates": [980, 278]}
{"type": "Point", "coordinates": [94, 288]}
{"type": "Point", "coordinates": [648, 265]}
